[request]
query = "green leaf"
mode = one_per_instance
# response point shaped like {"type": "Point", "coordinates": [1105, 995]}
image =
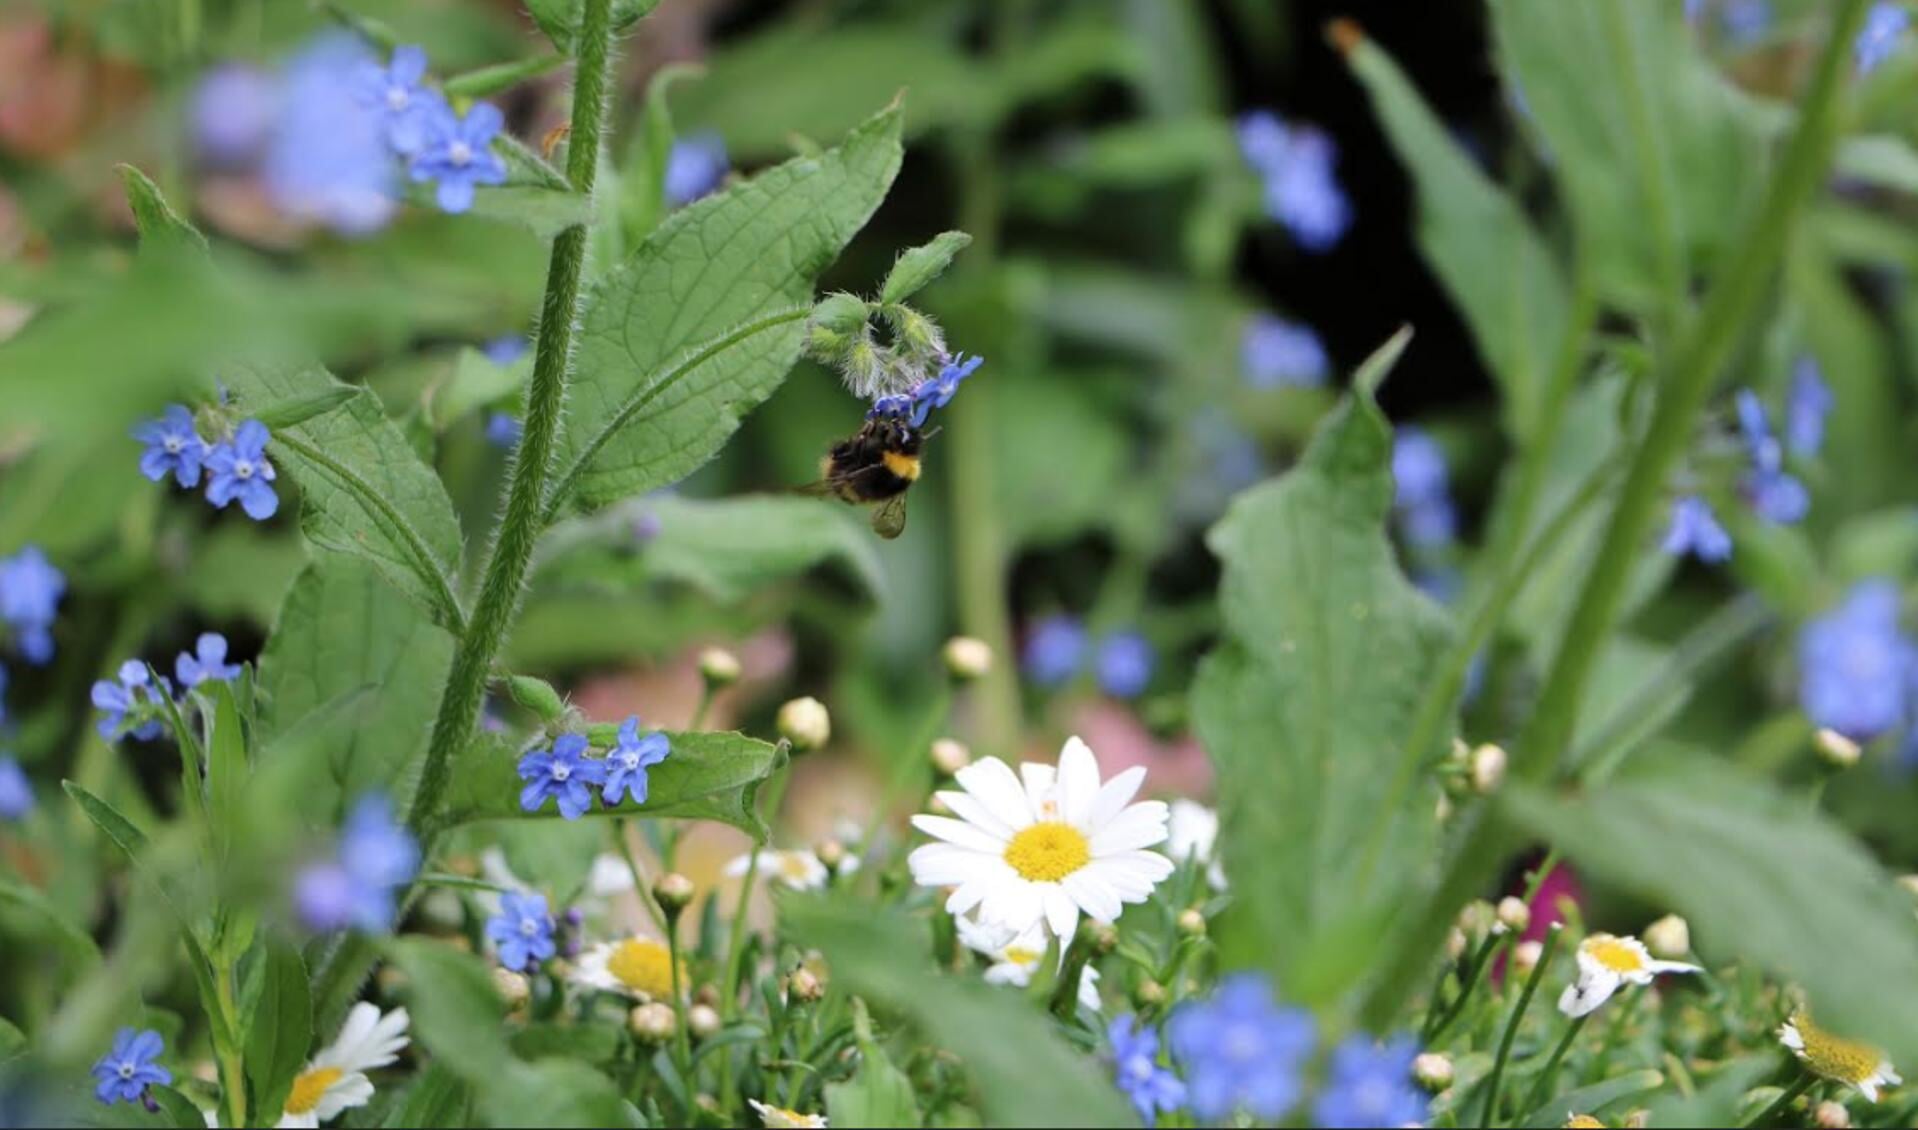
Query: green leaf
{"type": "Point", "coordinates": [1495, 266]}
{"type": "Point", "coordinates": [279, 1031]}
{"type": "Point", "coordinates": [543, 210]}
{"type": "Point", "coordinates": [437, 1097]}
{"type": "Point", "coordinates": [156, 220]}
{"type": "Point", "coordinates": [226, 767]}
{"type": "Point", "coordinates": [1310, 698]}
{"type": "Point", "coordinates": [704, 320]}
{"type": "Point", "coordinates": [708, 776]}
{"type": "Point", "coordinates": [642, 176]}
{"type": "Point", "coordinates": [1765, 879]}
{"type": "Point", "coordinates": [879, 1094]}
{"type": "Point", "coordinates": [1587, 1100]}
{"type": "Point", "coordinates": [1025, 1075]}
{"type": "Point", "coordinates": [1035, 416]}
{"type": "Point", "coordinates": [176, 1110]}
{"type": "Point", "coordinates": [919, 266]}
{"type": "Point", "coordinates": [552, 1092]}
{"type": "Point", "coordinates": [364, 492]}
{"type": "Point", "coordinates": [559, 19]}
{"type": "Point", "coordinates": [476, 382]}
{"type": "Point", "coordinates": [455, 1012]}
{"type": "Point", "coordinates": [29, 900]}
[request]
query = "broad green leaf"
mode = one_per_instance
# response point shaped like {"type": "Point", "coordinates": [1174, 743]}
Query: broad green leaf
{"type": "Point", "coordinates": [1586, 1100]}
{"type": "Point", "coordinates": [36, 906]}
{"type": "Point", "coordinates": [342, 630]}
{"type": "Point", "coordinates": [552, 1092]}
{"type": "Point", "coordinates": [176, 1110]}
{"type": "Point", "coordinates": [1305, 706]}
{"type": "Point", "coordinates": [1479, 242]}
{"type": "Point", "coordinates": [544, 210]}
{"type": "Point", "coordinates": [708, 776]}
{"type": "Point", "coordinates": [456, 1014]}
{"type": "Point", "coordinates": [1764, 879]}
{"type": "Point", "coordinates": [642, 176]}
{"type": "Point", "coordinates": [476, 381]}
{"type": "Point", "coordinates": [226, 767]}
{"type": "Point", "coordinates": [879, 1094]}
{"type": "Point", "coordinates": [438, 1097]}
{"type": "Point", "coordinates": [704, 320]}
{"type": "Point", "coordinates": [154, 217]}
{"type": "Point", "coordinates": [364, 491]}
{"type": "Point", "coordinates": [1025, 1075]}
{"type": "Point", "coordinates": [279, 1031]}
{"type": "Point", "coordinates": [917, 267]}
{"type": "Point", "coordinates": [1720, 1098]}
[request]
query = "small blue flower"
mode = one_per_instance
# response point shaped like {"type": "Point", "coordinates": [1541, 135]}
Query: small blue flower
{"type": "Point", "coordinates": [1695, 530]}
{"type": "Point", "coordinates": [1885, 26]}
{"type": "Point", "coordinates": [1135, 1066]}
{"type": "Point", "coordinates": [173, 447]}
{"type": "Point", "coordinates": [16, 792]}
{"type": "Point", "coordinates": [1775, 494]}
{"type": "Point", "coordinates": [505, 349]}
{"type": "Point", "coordinates": [240, 469]}
{"type": "Point", "coordinates": [522, 931]}
{"type": "Point", "coordinates": [133, 694]}
{"type": "Point", "coordinates": [1422, 486]}
{"type": "Point", "coordinates": [695, 166]}
{"type": "Point", "coordinates": [1370, 1085]}
{"type": "Point", "coordinates": [1240, 1050]}
{"type": "Point", "coordinates": [1275, 353]}
{"type": "Point", "coordinates": [30, 591]}
{"type": "Point", "coordinates": [1124, 664]}
{"type": "Point", "coordinates": [125, 1073]}
{"type": "Point", "coordinates": [1745, 21]}
{"type": "Point", "coordinates": [1054, 651]}
{"type": "Point", "coordinates": [626, 763]}
{"type": "Point", "coordinates": [1807, 406]}
{"type": "Point", "coordinates": [1755, 425]}
{"type": "Point", "coordinates": [503, 429]}
{"type": "Point", "coordinates": [1855, 665]}
{"type": "Point", "coordinates": [206, 661]}
{"type": "Point", "coordinates": [1301, 190]}
{"type": "Point", "coordinates": [376, 856]}
{"type": "Point", "coordinates": [234, 107]}
{"type": "Point", "coordinates": [329, 161]}
{"type": "Point", "coordinates": [458, 154]}
{"type": "Point", "coordinates": [405, 105]}
{"type": "Point", "coordinates": [565, 774]}
{"type": "Point", "coordinates": [937, 392]}
{"type": "Point", "coordinates": [900, 406]}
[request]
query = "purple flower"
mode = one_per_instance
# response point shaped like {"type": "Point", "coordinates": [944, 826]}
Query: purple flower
{"type": "Point", "coordinates": [1885, 26]}
{"type": "Point", "coordinates": [522, 931]}
{"type": "Point", "coordinates": [1695, 530]}
{"type": "Point", "coordinates": [234, 107]}
{"type": "Point", "coordinates": [406, 107]}
{"type": "Point", "coordinates": [1275, 353]}
{"type": "Point", "coordinates": [695, 167]}
{"type": "Point", "coordinates": [239, 469]}
{"type": "Point", "coordinates": [458, 154]}
{"type": "Point", "coordinates": [206, 661]}
{"type": "Point", "coordinates": [1240, 1050]}
{"type": "Point", "coordinates": [1809, 402]}
{"type": "Point", "coordinates": [16, 792]}
{"type": "Point", "coordinates": [1054, 650]}
{"type": "Point", "coordinates": [1855, 665]}
{"type": "Point", "coordinates": [564, 774]}
{"type": "Point", "coordinates": [627, 762]}
{"type": "Point", "coordinates": [173, 447]}
{"type": "Point", "coordinates": [124, 1073]}
{"type": "Point", "coordinates": [30, 591]}
{"type": "Point", "coordinates": [133, 694]}
{"type": "Point", "coordinates": [1152, 1088]}
{"type": "Point", "coordinates": [329, 162]}
{"type": "Point", "coordinates": [1301, 190]}
{"type": "Point", "coordinates": [503, 429]}
{"type": "Point", "coordinates": [376, 856]}
{"type": "Point", "coordinates": [1124, 664]}
{"type": "Point", "coordinates": [937, 392]}
{"type": "Point", "coordinates": [1370, 1085]}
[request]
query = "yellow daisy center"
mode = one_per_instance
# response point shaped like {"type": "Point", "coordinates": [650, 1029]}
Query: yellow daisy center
{"type": "Point", "coordinates": [779, 1116]}
{"type": "Point", "coordinates": [1835, 1057]}
{"type": "Point", "coordinates": [1584, 1122]}
{"type": "Point", "coordinates": [1614, 954]}
{"type": "Point", "coordinates": [643, 965]}
{"type": "Point", "coordinates": [310, 1088]}
{"type": "Point", "coordinates": [793, 866]}
{"type": "Point", "coordinates": [1048, 852]}
{"type": "Point", "coordinates": [1019, 955]}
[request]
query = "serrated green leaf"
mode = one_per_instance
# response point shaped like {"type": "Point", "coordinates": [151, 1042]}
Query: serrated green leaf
{"type": "Point", "coordinates": [704, 320]}
{"type": "Point", "coordinates": [279, 1031]}
{"type": "Point", "coordinates": [1310, 697]}
{"type": "Point", "coordinates": [919, 266]}
{"type": "Point", "coordinates": [29, 900]}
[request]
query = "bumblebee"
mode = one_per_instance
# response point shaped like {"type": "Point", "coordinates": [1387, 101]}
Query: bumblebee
{"type": "Point", "coordinates": [875, 467]}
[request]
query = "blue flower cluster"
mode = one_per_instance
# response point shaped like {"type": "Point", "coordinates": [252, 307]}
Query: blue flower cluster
{"type": "Point", "coordinates": [1370, 1084]}
{"type": "Point", "coordinates": [933, 392]}
{"type": "Point", "coordinates": [694, 167]}
{"type": "Point", "coordinates": [1056, 651]}
{"type": "Point", "coordinates": [30, 592]}
{"type": "Point", "coordinates": [1154, 1089]}
{"type": "Point", "coordinates": [130, 1067]}
{"type": "Point", "coordinates": [1295, 164]}
{"type": "Point", "coordinates": [1422, 491]}
{"type": "Point", "coordinates": [130, 704]}
{"type": "Point", "coordinates": [1275, 353]}
{"type": "Point", "coordinates": [16, 792]}
{"type": "Point", "coordinates": [1856, 666]}
{"type": "Point", "coordinates": [1885, 28]}
{"type": "Point", "coordinates": [236, 469]}
{"type": "Point", "coordinates": [375, 857]}
{"type": "Point", "coordinates": [1775, 494]}
{"type": "Point", "coordinates": [522, 931]}
{"type": "Point", "coordinates": [566, 775]}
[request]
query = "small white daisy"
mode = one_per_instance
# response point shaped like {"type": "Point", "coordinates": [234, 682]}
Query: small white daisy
{"type": "Point", "coordinates": [637, 967]}
{"type": "Point", "coordinates": [799, 869]}
{"type": "Point", "coordinates": [779, 1118]}
{"type": "Point", "coordinates": [335, 1080]}
{"type": "Point", "coordinates": [1191, 834]}
{"type": "Point", "coordinates": [1015, 961]}
{"type": "Point", "coordinates": [1856, 1065]}
{"type": "Point", "coordinates": [1046, 851]}
{"type": "Point", "coordinates": [1607, 962]}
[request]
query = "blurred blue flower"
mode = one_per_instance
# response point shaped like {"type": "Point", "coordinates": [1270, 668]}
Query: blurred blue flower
{"type": "Point", "coordinates": [329, 161]}
{"type": "Point", "coordinates": [505, 349]}
{"type": "Point", "coordinates": [132, 694]}
{"type": "Point", "coordinates": [234, 108]}
{"type": "Point", "coordinates": [1885, 26]}
{"type": "Point", "coordinates": [1135, 1065]}
{"type": "Point", "coordinates": [16, 792]}
{"type": "Point", "coordinates": [376, 856]}
{"type": "Point", "coordinates": [522, 931]}
{"type": "Point", "coordinates": [1775, 493]}
{"type": "Point", "coordinates": [173, 447]}
{"type": "Point", "coordinates": [1055, 649]}
{"type": "Point", "coordinates": [1240, 1050]}
{"type": "Point", "coordinates": [627, 762]}
{"type": "Point", "coordinates": [1695, 530]}
{"type": "Point", "coordinates": [503, 429]}
{"type": "Point", "coordinates": [206, 661]}
{"type": "Point", "coordinates": [1422, 489]}
{"type": "Point", "coordinates": [30, 591]}
{"type": "Point", "coordinates": [1124, 664]}
{"type": "Point", "coordinates": [1807, 406]}
{"type": "Point", "coordinates": [695, 166]}
{"type": "Point", "coordinates": [1370, 1085]}
{"type": "Point", "coordinates": [937, 392]}
{"type": "Point", "coordinates": [458, 154]}
{"type": "Point", "coordinates": [124, 1073]}
{"type": "Point", "coordinates": [1275, 353]}
{"type": "Point", "coordinates": [563, 773]}
{"type": "Point", "coordinates": [240, 469]}
{"type": "Point", "coordinates": [1855, 665]}
{"type": "Point", "coordinates": [1755, 425]}
{"type": "Point", "coordinates": [1745, 21]}
{"type": "Point", "coordinates": [396, 93]}
{"type": "Point", "coordinates": [1296, 165]}
{"type": "Point", "coordinates": [1262, 140]}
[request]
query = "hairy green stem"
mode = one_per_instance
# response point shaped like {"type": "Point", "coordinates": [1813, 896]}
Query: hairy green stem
{"type": "Point", "coordinates": [1511, 1026]}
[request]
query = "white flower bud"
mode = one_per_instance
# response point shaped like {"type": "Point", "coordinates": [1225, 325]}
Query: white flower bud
{"type": "Point", "coordinates": [803, 986]}
{"type": "Point", "coordinates": [1910, 884]}
{"type": "Point", "coordinates": [1192, 922]}
{"type": "Point", "coordinates": [1525, 957]}
{"type": "Point", "coordinates": [949, 756]}
{"type": "Point", "coordinates": [805, 723]}
{"type": "Point", "coordinates": [1488, 768]}
{"type": "Point", "coordinates": [1514, 915]}
{"type": "Point", "coordinates": [1433, 1071]}
{"type": "Point", "coordinates": [1477, 917]}
{"type": "Point", "coordinates": [1831, 1116]}
{"type": "Point", "coordinates": [702, 1020]}
{"type": "Point", "coordinates": [832, 853]}
{"type": "Point", "coordinates": [718, 666]}
{"type": "Point", "coordinates": [1455, 944]}
{"type": "Point", "coordinates": [652, 1023]}
{"type": "Point", "coordinates": [513, 988]}
{"type": "Point", "coordinates": [1836, 750]}
{"type": "Point", "coordinates": [1669, 938]}
{"type": "Point", "coordinates": [968, 658]}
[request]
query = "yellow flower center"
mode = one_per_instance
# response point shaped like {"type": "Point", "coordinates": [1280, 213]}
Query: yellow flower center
{"type": "Point", "coordinates": [310, 1088]}
{"type": "Point", "coordinates": [1614, 954]}
{"type": "Point", "coordinates": [1835, 1057]}
{"type": "Point", "coordinates": [645, 966]}
{"type": "Point", "coordinates": [1048, 852]}
{"type": "Point", "coordinates": [1584, 1122]}
{"type": "Point", "coordinates": [792, 865]}
{"type": "Point", "coordinates": [1019, 955]}
{"type": "Point", "coordinates": [779, 1118]}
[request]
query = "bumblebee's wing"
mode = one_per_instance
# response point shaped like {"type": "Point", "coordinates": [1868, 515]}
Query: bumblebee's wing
{"type": "Point", "coordinates": [889, 517]}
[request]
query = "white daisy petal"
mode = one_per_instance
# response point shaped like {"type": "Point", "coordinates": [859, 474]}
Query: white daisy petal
{"type": "Point", "coordinates": [945, 865]}
{"type": "Point", "coordinates": [1115, 794]}
{"type": "Point", "coordinates": [1096, 898]}
{"type": "Point", "coordinates": [1041, 784]}
{"type": "Point", "coordinates": [959, 832]}
{"type": "Point", "coordinates": [1136, 827]}
{"type": "Point", "coordinates": [1062, 913]}
{"type": "Point", "coordinates": [995, 785]}
{"type": "Point", "coordinates": [974, 811]}
{"type": "Point", "coordinates": [347, 1092]}
{"type": "Point", "coordinates": [1078, 783]}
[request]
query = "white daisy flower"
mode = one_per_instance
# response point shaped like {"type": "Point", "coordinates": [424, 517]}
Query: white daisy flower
{"type": "Point", "coordinates": [1856, 1065]}
{"type": "Point", "coordinates": [335, 1080]}
{"type": "Point", "coordinates": [1191, 834]}
{"type": "Point", "coordinates": [637, 967]}
{"type": "Point", "coordinates": [1605, 963]}
{"type": "Point", "coordinates": [1045, 852]}
{"type": "Point", "coordinates": [779, 1118]}
{"type": "Point", "coordinates": [799, 869]}
{"type": "Point", "coordinates": [1015, 961]}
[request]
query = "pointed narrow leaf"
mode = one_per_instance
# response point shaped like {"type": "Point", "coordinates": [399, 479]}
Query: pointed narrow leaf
{"type": "Point", "coordinates": [919, 266]}
{"type": "Point", "coordinates": [279, 1031]}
